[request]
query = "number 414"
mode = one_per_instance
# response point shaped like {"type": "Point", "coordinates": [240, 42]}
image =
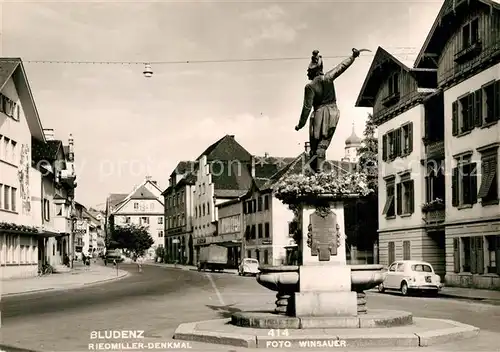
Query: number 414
{"type": "Point", "coordinates": [278, 333]}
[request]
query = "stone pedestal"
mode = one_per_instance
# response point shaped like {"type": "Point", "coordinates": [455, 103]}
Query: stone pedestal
{"type": "Point", "coordinates": [325, 278]}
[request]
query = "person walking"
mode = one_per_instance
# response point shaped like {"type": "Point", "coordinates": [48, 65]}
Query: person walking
{"type": "Point", "coordinates": [140, 260]}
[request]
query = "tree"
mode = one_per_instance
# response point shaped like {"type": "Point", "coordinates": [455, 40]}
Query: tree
{"type": "Point", "coordinates": [133, 238]}
{"type": "Point", "coordinates": [368, 154]}
{"type": "Point", "coordinates": [362, 213]}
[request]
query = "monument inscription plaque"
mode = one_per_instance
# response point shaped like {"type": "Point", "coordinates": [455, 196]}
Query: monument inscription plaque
{"type": "Point", "coordinates": [323, 234]}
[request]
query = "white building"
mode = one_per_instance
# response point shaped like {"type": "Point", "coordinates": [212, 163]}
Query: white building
{"type": "Point", "coordinates": [438, 125]}
{"type": "Point", "coordinates": [144, 207]}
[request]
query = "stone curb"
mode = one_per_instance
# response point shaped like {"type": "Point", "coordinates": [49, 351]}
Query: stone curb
{"type": "Point", "coordinates": [11, 348]}
{"type": "Point", "coordinates": [189, 332]}
{"type": "Point", "coordinates": [122, 275]}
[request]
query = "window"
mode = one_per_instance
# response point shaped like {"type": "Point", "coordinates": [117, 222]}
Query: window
{"type": "Point", "coordinates": [252, 233]}
{"type": "Point", "coordinates": [260, 232]}
{"type": "Point", "coordinates": [400, 268]}
{"type": "Point", "coordinates": [391, 145]}
{"type": "Point", "coordinates": [407, 136]}
{"type": "Point", "coordinates": [435, 185]}
{"type": "Point", "coordinates": [5, 151]}
{"type": "Point", "coordinates": [208, 208]}
{"type": "Point", "coordinates": [245, 208]}
{"type": "Point", "coordinates": [203, 207]}
{"type": "Point", "coordinates": [254, 205]}
{"type": "Point", "coordinates": [247, 232]}
{"type": "Point", "coordinates": [393, 266]}
{"type": "Point", "coordinates": [127, 219]}
{"type": "Point", "coordinates": [464, 183]}
{"type": "Point", "coordinates": [406, 250]}
{"type": "Point", "coordinates": [391, 253]}
{"type": "Point", "coordinates": [249, 253]}
{"type": "Point", "coordinates": [160, 220]}
{"type": "Point", "coordinates": [13, 199]}
{"type": "Point", "coordinates": [160, 233]}
{"type": "Point", "coordinates": [467, 113]}
{"type": "Point", "coordinates": [491, 99]}
{"type": "Point", "coordinates": [470, 34]}
{"type": "Point", "coordinates": [421, 268]}
{"type": "Point", "coordinates": [475, 255]}
{"type": "Point", "coordinates": [389, 208]}
{"type": "Point", "coordinates": [59, 210]}
{"type": "Point", "coordinates": [488, 191]}
{"type": "Point", "coordinates": [456, 255]}
{"type": "Point", "coordinates": [257, 255]}
{"type": "Point", "coordinates": [266, 230]}
{"type": "Point", "coordinates": [493, 254]}
{"type": "Point", "coordinates": [266, 256]}
{"type": "Point", "coordinates": [144, 220]}
{"type": "Point", "coordinates": [136, 205]}
{"type": "Point", "coordinates": [259, 204]}
{"type": "Point", "coordinates": [266, 202]}
{"type": "Point", "coordinates": [393, 84]}
{"type": "Point", "coordinates": [405, 197]}
{"type": "Point", "coordinates": [46, 210]}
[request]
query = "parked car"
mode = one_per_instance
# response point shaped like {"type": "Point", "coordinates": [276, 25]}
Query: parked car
{"type": "Point", "coordinates": [248, 266]}
{"type": "Point", "coordinates": [411, 275]}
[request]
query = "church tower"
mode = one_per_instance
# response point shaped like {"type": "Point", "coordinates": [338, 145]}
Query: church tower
{"type": "Point", "coordinates": [352, 144]}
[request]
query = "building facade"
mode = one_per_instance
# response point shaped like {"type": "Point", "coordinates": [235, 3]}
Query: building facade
{"type": "Point", "coordinates": [27, 238]}
{"type": "Point", "coordinates": [224, 173]}
{"type": "Point", "coordinates": [455, 223]}
{"type": "Point", "coordinates": [230, 225]}
{"type": "Point", "coordinates": [142, 207]}
{"type": "Point", "coordinates": [178, 199]}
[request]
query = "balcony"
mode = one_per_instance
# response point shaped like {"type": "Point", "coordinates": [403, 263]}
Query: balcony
{"type": "Point", "coordinates": [468, 53]}
{"type": "Point", "coordinates": [434, 212]}
{"type": "Point", "coordinates": [434, 150]}
{"type": "Point", "coordinates": [391, 99]}
{"type": "Point", "coordinates": [62, 224]}
{"type": "Point", "coordinates": [67, 178]}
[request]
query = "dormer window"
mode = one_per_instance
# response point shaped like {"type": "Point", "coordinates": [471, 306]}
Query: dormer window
{"type": "Point", "coordinates": [394, 84]}
{"type": "Point", "coordinates": [470, 34]}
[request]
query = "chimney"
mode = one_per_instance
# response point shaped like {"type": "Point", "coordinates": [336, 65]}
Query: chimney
{"type": "Point", "coordinates": [231, 135]}
{"type": "Point", "coordinates": [71, 148]}
{"type": "Point", "coordinates": [307, 147]}
{"type": "Point", "coordinates": [266, 155]}
{"type": "Point", "coordinates": [49, 134]}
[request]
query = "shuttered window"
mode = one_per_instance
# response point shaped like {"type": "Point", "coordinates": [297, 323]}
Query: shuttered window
{"type": "Point", "coordinates": [456, 255]}
{"type": "Point", "coordinates": [477, 255]}
{"type": "Point", "coordinates": [455, 118]}
{"type": "Point", "coordinates": [488, 191]}
{"type": "Point", "coordinates": [464, 184]}
{"type": "Point", "coordinates": [389, 207]}
{"type": "Point", "coordinates": [455, 198]}
{"type": "Point", "coordinates": [478, 108]}
{"type": "Point", "coordinates": [405, 197]}
{"type": "Point", "coordinates": [391, 255]}
{"type": "Point", "coordinates": [384, 147]}
{"type": "Point", "coordinates": [406, 250]}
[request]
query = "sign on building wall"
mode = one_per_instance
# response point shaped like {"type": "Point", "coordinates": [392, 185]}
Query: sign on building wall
{"type": "Point", "coordinates": [229, 224]}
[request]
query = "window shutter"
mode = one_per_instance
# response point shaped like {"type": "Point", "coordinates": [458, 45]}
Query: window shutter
{"type": "Point", "coordinates": [473, 182]}
{"type": "Point", "coordinates": [399, 149]}
{"type": "Point", "coordinates": [399, 198]}
{"type": "Point", "coordinates": [470, 112]}
{"type": "Point", "coordinates": [410, 137]}
{"type": "Point", "coordinates": [473, 256]}
{"type": "Point", "coordinates": [497, 253]}
{"type": "Point", "coordinates": [480, 255]}
{"type": "Point", "coordinates": [455, 195]}
{"type": "Point", "coordinates": [496, 100]}
{"type": "Point", "coordinates": [454, 121]}
{"type": "Point", "coordinates": [412, 196]}
{"type": "Point", "coordinates": [384, 147]}
{"type": "Point", "coordinates": [478, 108]}
{"type": "Point", "coordinates": [456, 255]}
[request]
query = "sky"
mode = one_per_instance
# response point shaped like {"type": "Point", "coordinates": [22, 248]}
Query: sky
{"type": "Point", "coordinates": [127, 126]}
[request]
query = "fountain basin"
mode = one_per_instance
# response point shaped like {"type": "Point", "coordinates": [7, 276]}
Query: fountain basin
{"type": "Point", "coordinates": [285, 278]}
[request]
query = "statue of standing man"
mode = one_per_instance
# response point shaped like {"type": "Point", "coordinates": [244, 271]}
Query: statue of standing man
{"type": "Point", "coordinates": [320, 96]}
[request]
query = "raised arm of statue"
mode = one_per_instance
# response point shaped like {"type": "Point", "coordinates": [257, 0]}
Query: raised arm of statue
{"type": "Point", "coordinates": [306, 107]}
{"type": "Point", "coordinates": [339, 69]}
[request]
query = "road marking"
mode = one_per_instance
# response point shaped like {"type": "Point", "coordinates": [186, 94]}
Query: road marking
{"type": "Point", "coordinates": [217, 292]}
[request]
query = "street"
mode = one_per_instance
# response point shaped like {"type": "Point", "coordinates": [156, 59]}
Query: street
{"type": "Point", "coordinates": [157, 300]}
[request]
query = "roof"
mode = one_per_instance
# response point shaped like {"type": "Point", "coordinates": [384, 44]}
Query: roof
{"type": "Point", "coordinates": [229, 175]}
{"type": "Point", "coordinates": [116, 198]}
{"type": "Point", "coordinates": [13, 67]}
{"type": "Point", "coordinates": [46, 151]}
{"type": "Point", "coordinates": [184, 167]}
{"type": "Point", "coordinates": [226, 149]}
{"type": "Point", "coordinates": [266, 166]}
{"type": "Point", "coordinates": [143, 193]}
{"type": "Point", "coordinates": [440, 32]}
{"type": "Point", "coordinates": [353, 138]}
{"type": "Point", "coordinates": [375, 76]}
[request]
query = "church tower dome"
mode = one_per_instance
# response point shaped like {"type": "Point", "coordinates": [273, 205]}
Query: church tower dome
{"type": "Point", "coordinates": [353, 139]}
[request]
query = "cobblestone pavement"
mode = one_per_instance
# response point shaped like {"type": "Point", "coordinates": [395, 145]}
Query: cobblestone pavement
{"type": "Point", "coordinates": [159, 299]}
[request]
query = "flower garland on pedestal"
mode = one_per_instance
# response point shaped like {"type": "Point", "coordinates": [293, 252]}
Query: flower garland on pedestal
{"type": "Point", "coordinates": [317, 189]}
